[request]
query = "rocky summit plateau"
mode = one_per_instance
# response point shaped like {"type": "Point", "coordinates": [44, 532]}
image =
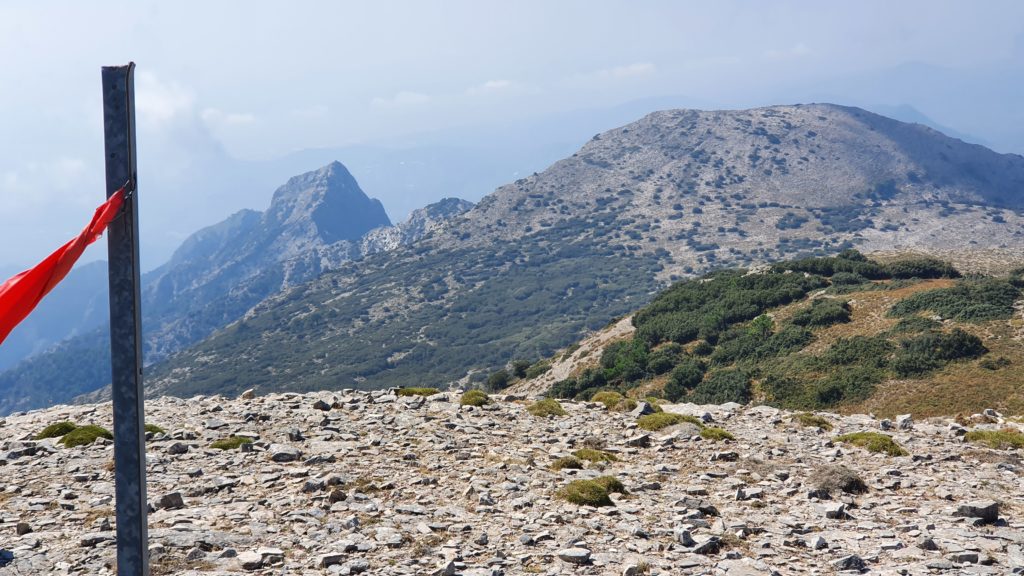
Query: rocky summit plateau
{"type": "Point", "coordinates": [425, 482]}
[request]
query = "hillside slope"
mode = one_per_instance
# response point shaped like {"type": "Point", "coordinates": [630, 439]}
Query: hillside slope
{"type": "Point", "coordinates": [905, 336]}
{"type": "Point", "coordinates": [543, 259]}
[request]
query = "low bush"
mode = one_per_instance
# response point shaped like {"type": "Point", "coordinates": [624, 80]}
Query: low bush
{"type": "Point", "coordinates": [721, 387]}
{"type": "Point", "coordinates": [545, 408]}
{"type": "Point", "coordinates": [154, 429]}
{"type": "Point", "coordinates": [823, 312]}
{"type": "Point", "coordinates": [417, 391]}
{"type": "Point", "coordinates": [56, 430]}
{"type": "Point", "coordinates": [808, 420]}
{"type": "Point", "coordinates": [609, 398]}
{"type": "Point", "coordinates": [626, 405]}
{"type": "Point", "coordinates": [85, 435]}
{"type": "Point", "coordinates": [968, 301]}
{"type": "Point", "coordinates": [591, 492]}
{"type": "Point", "coordinates": [230, 443]}
{"type": "Point", "coordinates": [567, 462]}
{"type": "Point", "coordinates": [684, 377]}
{"type": "Point", "coordinates": [712, 433]}
{"type": "Point", "coordinates": [923, 267]}
{"type": "Point", "coordinates": [596, 456]}
{"type": "Point", "coordinates": [498, 380]}
{"type": "Point", "coordinates": [873, 442]}
{"type": "Point", "coordinates": [662, 420]}
{"type": "Point", "coordinates": [474, 398]}
{"type": "Point", "coordinates": [832, 478]}
{"type": "Point", "coordinates": [914, 325]}
{"type": "Point", "coordinates": [994, 363]}
{"type": "Point", "coordinates": [1005, 439]}
{"type": "Point", "coordinates": [932, 350]}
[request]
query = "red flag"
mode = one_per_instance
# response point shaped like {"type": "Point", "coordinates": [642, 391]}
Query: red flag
{"type": "Point", "coordinates": [22, 293]}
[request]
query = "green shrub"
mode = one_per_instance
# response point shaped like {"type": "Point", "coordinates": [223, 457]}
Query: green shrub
{"type": "Point", "coordinates": [1005, 439]}
{"type": "Point", "coordinates": [626, 405]}
{"type": "Point", "coordinates": [519, 368]}
{"type": "Point", "coordinates": [823, 312]}
{"type": "Point", "coordinates": [808, 420]}
{"type": "Point", "coordinates": [662, 420]}
{"type": "Point", "coordinates": [567, 462]}
{"type": "Point", "coordinates": [474, 398]}
{"type": "Point", "coordinates": [932, 350]}
{"type": "Point", "coordinates": [870, 351]}
{"type": "Point", "coordinates": [848, 385]}
{"type": "Point", "coordinates": [703, 348]}
{"type": "Point", "coordinates": [625, 360]}
{"type": "Point", "coordinates": [56, 430]}
{"type": "Point", "coordinates": [848, 279]}
{"type": "Point", "coordinates": [684, 377]}
{"type": "Point", "coordinates": [498, 380]}
{"type": "Point", "coordinates": [873, 442]}
{"type": "Point", "coordinates": [591, 492]}
{"type": "Point", "coordinates": [154, 429]}
{"type": "Point", "coordinates": [663, 358]}
{"type": "Point", "coordinates": [655, 403]}
{"type": "Point", "coordinates": [230, 443]}
{"type": "Point", "coordinates": [914, 325]}
{"type": "Point", "coordinates": [753, 345]}
{"type": "Point", "coordinates": [596, 456]}
{"type": "Point", "coordinates": [712, 433]}
{"type": "Point", "coordinates": [721, 387]}
{"type": "Point", "coordinates": [537, 369]}
{"type": "Point", "coordinates": [417, 391]}
{"type": "Point", "coordinates": [609, 398]}
{"type": "Point", "coordinates": [968, 301]}
{"type": "Point", "coordinates": [85, 435]}
{"type": "Point", "coordinates": [545, 408]}
{"type": "Point", "coordinates": [923, 267]}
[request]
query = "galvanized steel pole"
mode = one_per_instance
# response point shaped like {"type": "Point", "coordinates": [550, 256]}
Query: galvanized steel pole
{"type": "Point", "coordinates": [125, 325]}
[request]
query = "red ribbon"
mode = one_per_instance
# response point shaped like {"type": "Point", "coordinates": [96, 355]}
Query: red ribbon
{"type": "Point", "coordinates": [23, 292]}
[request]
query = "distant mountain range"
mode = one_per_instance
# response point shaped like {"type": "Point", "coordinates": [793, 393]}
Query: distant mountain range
{"type": "Point", "coordinates": [551, 255]}
{"type": "Point", "coordinates": [307, 295]}
{"type": "Point", "coordinates": [315, 222]}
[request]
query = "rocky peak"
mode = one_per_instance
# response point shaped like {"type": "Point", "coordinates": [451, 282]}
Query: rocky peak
{"type": "Point", "coordinates": [326, 203]}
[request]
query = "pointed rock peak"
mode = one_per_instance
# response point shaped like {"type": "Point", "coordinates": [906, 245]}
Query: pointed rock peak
{"type": "Point", "coordinates": [443, 208]}
{"type": "Point", "coordinates": [331, 201]}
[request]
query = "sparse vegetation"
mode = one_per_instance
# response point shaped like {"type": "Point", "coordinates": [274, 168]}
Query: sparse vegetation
{"type": "Point", "coordinates": [474, 398]}
{"type": "Point", "coordinates": [154, 429]}
{"type": "Point", "coordinates": [808, 420]}
{"type": "Point", "coordinates": [56, 430]}
{"type": "Point", "coordinates": [873, 442]}
{"type": "Point", "coordinates": [662, 420]}
{"type": "Point", "coordinates": [972, 300]}
{"type": "Point", "coordinates": [591, 492]}
{"type": "Point", "coordinates": [1005, 439]}
{"type": "Point", "coordinates": [230, 443]}
{"type": "Point", "coordinates": [609, 398]}
{"type": "Point", "coordinates": [546, 407]}
{"type": "Point", "coordinates": [85, 435]}
{"type": "Point", "coordinates": [567, 462]}
{"type": "Point", "coordinates": [595, 456]}
{"type": "Point", "coordinates": [416, 391]}
{"type": "Point", "coordinates": [713, 433]}
{"type": "Point", "coordinates": [832, 478]}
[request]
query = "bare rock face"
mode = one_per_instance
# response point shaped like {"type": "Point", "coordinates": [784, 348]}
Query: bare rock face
{"type": "Point", "coordinates": [479, 495]}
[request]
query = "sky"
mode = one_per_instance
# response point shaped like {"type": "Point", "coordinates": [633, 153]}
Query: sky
{"type": "Point", "coordinates": [232, 96]}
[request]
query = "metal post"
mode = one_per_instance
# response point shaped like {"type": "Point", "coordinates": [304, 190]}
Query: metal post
{"type": "Point", "coordinates": [125, 325]}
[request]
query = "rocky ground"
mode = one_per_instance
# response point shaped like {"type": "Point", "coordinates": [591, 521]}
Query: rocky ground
{"type": "Point", "coordinates": [350, 482]}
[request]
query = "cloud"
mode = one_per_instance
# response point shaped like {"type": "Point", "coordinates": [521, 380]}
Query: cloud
{"type": "Point", "coordinates": [216, 118]}
{"type": "Point", "coordinates": [158, 103]}
{"type": "Point", "coordinates": [490, 87]}
{"type": "Point", "coordinates": [400, 100]}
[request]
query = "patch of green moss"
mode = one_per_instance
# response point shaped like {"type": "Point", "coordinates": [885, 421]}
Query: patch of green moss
{"type": "Point", "coordinates": [660, 420]}
{"type": "Point", "coordinates": [609, 398]}
{"type": "Point", "coordinates": [808, 420]}
{"type": "Point", "coordinates": [474, 398]}
{"type": "Point", "coordinates": [154, 429]}
{"type": "Point", "coordinates": [1005, 439]}
{"type": "Point", "coordinates": [85, 435]}
{"type": "Point", "coordinates": [230, 443]}
{"type": "Point", "coordinates": [567, 462]}
{"type": "Point", "coordinates": [596, 456]}
{"type": "Point", "coordinates": [655, 403]}
{"type": "Point", "coordinates": [592, 492]}
{"type": "Point", "coordinates": [417, 391]}
{"type": "Point", "coordinates": [712, 433]}
{"type": "Point", "coordinates": [874, 442]}
{"type": "Point", "coordinates": [56, 430]}
{"type": "Point", "coordinates": [545, 408]}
